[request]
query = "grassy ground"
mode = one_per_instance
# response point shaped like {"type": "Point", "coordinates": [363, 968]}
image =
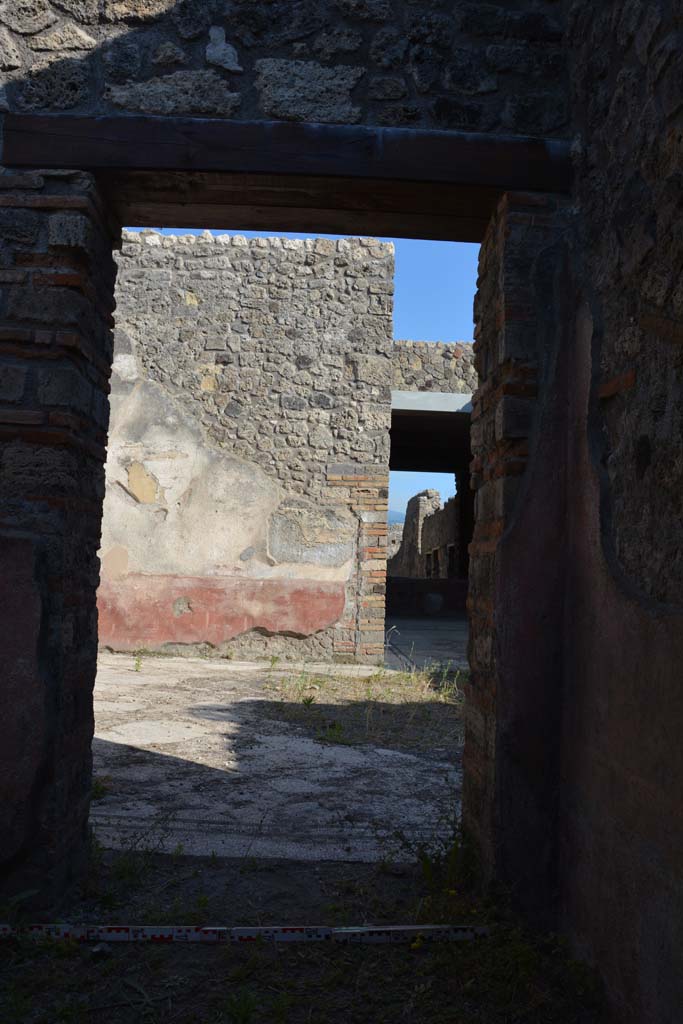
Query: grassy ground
{"type": "Point", "coordinates": [412, 711]}
{"type": "Point", "coordinates": [506, 978]}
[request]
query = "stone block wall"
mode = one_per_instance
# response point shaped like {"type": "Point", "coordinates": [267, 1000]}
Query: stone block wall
{"type": "Point", "coordinates": [429, 526]}
{"type": "Point", "coordinates": [248, 457]}
{"type": "Point", "coordinates": [464, 66]}
{"type": "Point", "coordinates": [441, 534]}
{"type": "Point", "coordinates": [56, 288]}
{"type": "Point", "coordinates": [409, 559]}
{"type": "Point", "coordinates": [394, 537]}
{"type": "Point", "coordinates": [434, 366]}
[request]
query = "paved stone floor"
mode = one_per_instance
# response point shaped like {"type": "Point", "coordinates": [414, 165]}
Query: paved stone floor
{"type": "Point", "coordinates": [421, 642]}
{"type": "Point", "coordinates": [190, 754]}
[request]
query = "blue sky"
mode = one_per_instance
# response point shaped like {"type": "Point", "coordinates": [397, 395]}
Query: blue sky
{"type": "Point", "coordinates": [435, 284]}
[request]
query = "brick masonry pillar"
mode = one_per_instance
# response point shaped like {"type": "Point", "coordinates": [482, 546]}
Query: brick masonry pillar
{"type": "Point", "coordinates": [364, 490]}
{"type": "Point", "coordinates": [56, 303]}
{"type": "Point", "coordinates": [516, 577]}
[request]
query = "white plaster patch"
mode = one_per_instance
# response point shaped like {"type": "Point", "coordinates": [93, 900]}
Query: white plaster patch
{"type": "Point", "coordinates": [125, 366]}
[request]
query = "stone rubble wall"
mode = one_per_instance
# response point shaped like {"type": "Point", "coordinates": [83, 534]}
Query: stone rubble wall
{"type": "Point", "coordinates": [464, 66]}
{"type": "Point", "coordinates": [629, 168]}
{"type": "Point", "coordinates": [429, 526]}
{"type": "Point", "coordinates": [408, 560]}
{"type": "Point", "coordinates": [249, 446]}
{"type": "Point", "coordinates": [394, 538]}
{"type": "Point", "coordinates": [434, 366]}
{"type": "Point", "coordinates": [441, 531]}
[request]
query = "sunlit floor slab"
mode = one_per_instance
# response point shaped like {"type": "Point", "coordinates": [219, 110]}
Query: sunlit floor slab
{"type": "Point", "coordinates": [309, 763]}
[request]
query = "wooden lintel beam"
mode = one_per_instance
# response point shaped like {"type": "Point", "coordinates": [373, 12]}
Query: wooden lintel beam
{"type": "Point", "coordinates": [307, 219]}
{"type": "Point", "coordinates": [129, 143]}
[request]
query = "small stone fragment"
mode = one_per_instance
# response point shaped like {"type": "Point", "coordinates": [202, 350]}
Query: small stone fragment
{"type": "Point", "coordinates": [534, 113]}
{"type": "Point", "coordinates": [54, 83]}
{"type": "Point", "coordinates": [191, 18]}
{"type": "Point", "coordinates": [465, 74]}
{"type": "Point", "coordinates": [462, 115]}
{"type": "Point", "coordinates": [10, 58]}
{"type": "Point", "coordinates": [388, 48]}
{"type": "Point", "coordinates": [168, 53]}
{"type": "Point", "coordinates": [294, 403]}
{"type": "Point", "coordinates": [221, 53]}
{"type": "Point", "coordinates": [233, 408]}
{"type": "Point", "coordinates": [336, 40]}
{"type": "Point", "coordinates": [121, 61]}
{"type": "Point", "coordinates": [370, 10]}
{"type": "Point", "coordinates": [135, 10]}
{"type": "Point", "coordinates": [19, 225]}
{"type": "Point", "coordinates": [64, 37]}
{"type": "Point", "coordinates": [424, 65]}
{"type": "Point", "coordinates": [27, 16]}
{"type": "Point", "coordinates": [12, 381]}
{"type": "Point", "coordinates": [87, 11]}
{"type": "Point", "coordinates": [297, 90]}
{"type": "Point", "coordinates": [387, 87]}
{"type": "Point", "coordinates": [183, 92]}
{"type": "Point", "coordinates": [396, 115]}
{"type": "Point", "coordinates": [72, 230]}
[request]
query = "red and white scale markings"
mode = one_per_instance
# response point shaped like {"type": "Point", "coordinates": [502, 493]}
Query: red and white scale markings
{"type": "Point", "coordinates": [189, 933]}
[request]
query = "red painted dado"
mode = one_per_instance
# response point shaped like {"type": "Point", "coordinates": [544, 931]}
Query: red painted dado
{"type": "Point", "coordinates": [139, 611]}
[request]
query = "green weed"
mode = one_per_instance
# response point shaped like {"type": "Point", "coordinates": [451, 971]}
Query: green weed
{"type": "Point", "coordinates": [333, 732]}
{"type": "Point", "coordinates": [101, 786]}
{"type": "Point", "coordinates": [241, 1007]}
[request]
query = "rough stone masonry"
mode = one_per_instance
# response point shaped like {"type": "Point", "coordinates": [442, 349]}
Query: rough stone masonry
{"type": "Point", "coordinates": [573, 760]}
{"type": "Point", "coordinates": [249, 446]}
{"type": "Point", "coordinates": [247, 474]}
{"type": "Point", "coordinates": [377, 62]}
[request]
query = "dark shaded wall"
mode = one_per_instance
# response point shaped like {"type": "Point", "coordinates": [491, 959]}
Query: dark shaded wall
{"type": "Point", "coordinates": [55, 355]}
{"type": "Point", "coordinates": [464, 66]}
{"type": "Point", "coordinates": [621, 803]}
{"type": "Point", "coordinates": [573, 760]}
{"type": "Point", "coordinates": [517, 554]}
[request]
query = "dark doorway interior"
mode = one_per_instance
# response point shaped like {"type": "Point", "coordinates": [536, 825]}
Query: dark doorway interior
{"type": "Point", "coordinates": [426, 620]}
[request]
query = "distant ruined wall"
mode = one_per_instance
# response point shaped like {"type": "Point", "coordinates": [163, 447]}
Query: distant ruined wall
{"type": "Point", "coordinates": [434, 366]}
{"type": "Point", "coordinates": [408, 559]}
{"type": "Point", "coordinates": [248, 448]}
{"type": "Point", "coordinates": [394, 537]}
{"type": "Point", "coordinates": [429, 527]}
{"type": "Point", "coordinates": [441, 532]}
{"type": "Point", "coordinates": [493, 67]}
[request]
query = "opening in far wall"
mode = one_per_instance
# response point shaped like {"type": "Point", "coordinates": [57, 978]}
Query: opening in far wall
{"type": "Point", "coordinates": [245, 520]}
{"type": "Point", "coordinates": [426, 571]}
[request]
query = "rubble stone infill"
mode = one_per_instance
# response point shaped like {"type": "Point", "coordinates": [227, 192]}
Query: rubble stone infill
{"type": "Point", "coordinates": [434, 366]}
{"type": "Point", "coordinates": [397, 64]}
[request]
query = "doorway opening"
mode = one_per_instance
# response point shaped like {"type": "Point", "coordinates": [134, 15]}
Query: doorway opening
{"type": "Point", "coordinates": [245, 541]}
{"type": "Point", "coordinates": [426, 619]}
